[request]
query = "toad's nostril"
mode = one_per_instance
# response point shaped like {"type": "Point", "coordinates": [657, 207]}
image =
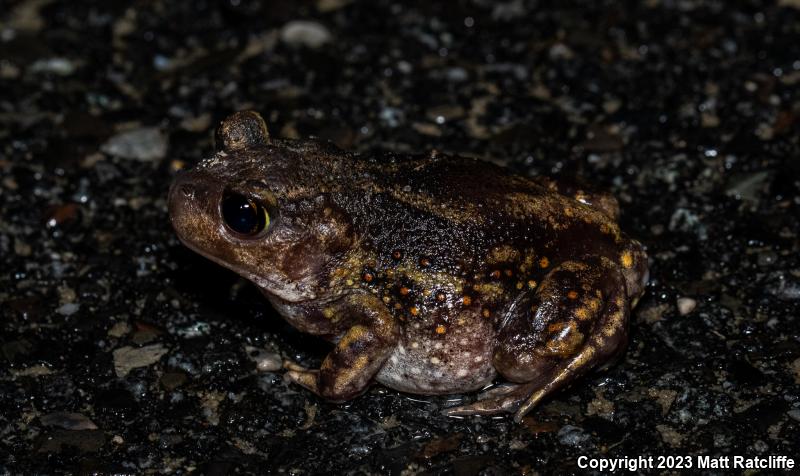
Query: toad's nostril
{"type": "Point", "coordinates": [187, 190]}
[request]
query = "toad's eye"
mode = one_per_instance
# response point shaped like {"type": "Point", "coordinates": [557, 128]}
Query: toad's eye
{"type": "Point", "coordinates": [244, 215]}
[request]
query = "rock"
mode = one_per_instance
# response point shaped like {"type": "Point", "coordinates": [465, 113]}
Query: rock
{"type": "Point", "coordinates": [310, 34]}
{"type": "Point", "coordinates": [147, 144]}
{"type": "Point", "coordinates": [68, 421]}
{"type": "Point", "coordinates": [265, 361]}
{"type": "Point", "coordinates": [57, 66]}
{"type": "Point", "coordinates": [570, 435]}
{"type": "Point", "coordinates": [128, 358]}
{"type": "Point", "coordinates": [85, 441]}
{"type": "Point", "coordinates": [173, 380]}
{"type": "Point", "coordinates": [68, 309]}
{"type": "Point", "coordinates": [686, 305]}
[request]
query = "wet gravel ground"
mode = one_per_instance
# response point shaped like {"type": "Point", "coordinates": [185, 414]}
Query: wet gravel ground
{"type": "Point", "coordinates": [122, 352]}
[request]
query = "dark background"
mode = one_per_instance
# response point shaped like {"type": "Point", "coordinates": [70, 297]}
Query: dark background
{"type": "Point", "coordinates": [686, 110]}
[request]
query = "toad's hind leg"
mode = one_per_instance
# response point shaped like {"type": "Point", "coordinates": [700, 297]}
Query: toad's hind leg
{"type": "Point", "coordinates": [574, 322]}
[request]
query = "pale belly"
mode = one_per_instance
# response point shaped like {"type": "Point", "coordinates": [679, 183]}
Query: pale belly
{"type": "Point", "coordinates": [426, 363]}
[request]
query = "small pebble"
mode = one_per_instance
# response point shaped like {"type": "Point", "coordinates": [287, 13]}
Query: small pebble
{"type": "Point", "coordinates": [265, 361]}
{"type": "Point", "coordinates": [147, 144]}
{"type": "Point", "coordinates": [68, 421]}
{"type": "Point", "coordinates": [686, 305]}
{"type": "Point", "coordinates": [128, 358]}
{"type": "Point", "coordinates": [305, 33]}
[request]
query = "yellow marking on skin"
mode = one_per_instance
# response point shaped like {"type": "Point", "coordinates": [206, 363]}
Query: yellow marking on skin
{"type": "Point", "coordinates": [527, 262]}
{"type": "Point", "coordinates": [414, 310]}
{"type": "Point", "coordinates": [347, 374]}
{"type": "Point", "coordinates": [327, 313]}
{"type": "Point", "coordinates": [460, 212]}
{"type": "Point", "coordinates": [387, 299]}
{"type": "Point", "coordinates": [574, 266]}
{"type": "Point", "coordinates": [565, 338]}
{"type": "Point", "coordinates": [594, 304]}
{"type": "Point", "coordinates": [569, 212]}
{"type": "Point", "coordinates": [544, 262]}
{"type": "Point", "coordinates": [582, 313]}
{"type": "Point", "coordinates": [532, 283]}
{"type": "Point", "coordinates": [502, 254]}
{"type": "Point", "coordinates": [435, 361]}
{"type": "Point", "coordinates": [520, 285]}
{"type": "Point", "coordinates": [626, 259]}
{"type": "Point", "coordinates": [432, 280]}
{"type": "Point", "coordinates": [485, 312]}
{"type": "Point", "coordinates": [349, 282]}
{"type": "Point", "coordinates": [492, 291]}
{"type": "Point", "coordinates": [426, 292]}
{"type": "Point", "coordinates": [440, 329]}
{"type": "Point", "coordinates": [355, 333]}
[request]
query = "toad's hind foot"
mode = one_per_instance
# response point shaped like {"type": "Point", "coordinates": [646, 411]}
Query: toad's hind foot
{"type": "Point", "coordinates": [502, 399]}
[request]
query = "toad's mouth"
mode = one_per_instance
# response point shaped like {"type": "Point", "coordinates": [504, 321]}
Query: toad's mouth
{"type": "Point", "coordinates": [286, 289]}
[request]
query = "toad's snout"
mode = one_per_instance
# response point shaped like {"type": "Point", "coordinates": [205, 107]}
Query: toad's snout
{"type": "Point", "coordinates": [193, 204]}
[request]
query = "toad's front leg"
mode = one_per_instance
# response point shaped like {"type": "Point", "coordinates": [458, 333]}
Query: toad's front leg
{"type": "Point", "coordinates": [575, 321]}
{"type": "Point", "coordinates": [361, 352]}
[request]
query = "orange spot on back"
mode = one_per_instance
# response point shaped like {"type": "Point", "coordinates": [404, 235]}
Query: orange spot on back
{"type": "Point", "coordinates": [440, 329]}
{"type": "Point", "coordinates": [404, 290]}
{"type": "Point", "coordinates": [485, 312]}
{"type": "Point", "coordinates": [544, 262]}
{"type": "Point", "coordinates": [572, 294]}
{"type": "Point", "coordinates": [466, 300]}
{"type": "Point", "coordinates": [414, 310]}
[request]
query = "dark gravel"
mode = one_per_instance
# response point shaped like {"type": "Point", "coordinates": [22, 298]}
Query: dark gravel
{"type": "Point", "coordinates": [122, 352]}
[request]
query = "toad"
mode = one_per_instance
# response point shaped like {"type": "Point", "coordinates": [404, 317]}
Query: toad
{"type": "Point", "coordinates": [429, 274]}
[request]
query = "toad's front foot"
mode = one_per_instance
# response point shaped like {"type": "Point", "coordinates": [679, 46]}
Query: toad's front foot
{"type": "Point", "coordinates": [349, 368]}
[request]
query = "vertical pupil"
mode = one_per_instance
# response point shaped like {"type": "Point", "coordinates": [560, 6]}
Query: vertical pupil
{"type": "Point", "coordinates": [242, 214]}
